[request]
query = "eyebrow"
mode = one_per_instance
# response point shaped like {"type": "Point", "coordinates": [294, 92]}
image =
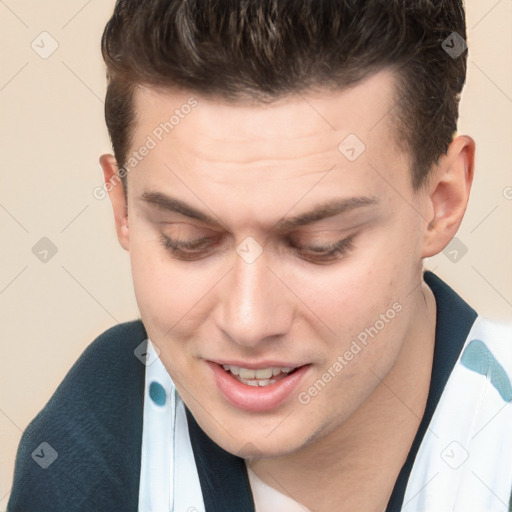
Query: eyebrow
{"type": "Point", "coordinates": [319, 212]}
{"type": "Point", "coordinates": [172, 204]}
{"type": "Point", "coordinates": [326, 210]}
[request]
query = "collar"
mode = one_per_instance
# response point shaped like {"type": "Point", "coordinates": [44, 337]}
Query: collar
{"type": "Point", "coordinates": [453, 323]}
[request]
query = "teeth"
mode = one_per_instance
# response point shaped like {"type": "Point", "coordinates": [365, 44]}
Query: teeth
{"type": "Point", "coordinates": [245, 373]}
{"type": "Point", "coordinates": [258, 383]}
{"type": "Point", "coordinates": [261, 373]}
{"type": "Point", "coordinates": [260, 377]}
{"type": "Point", "coordinates": [235, 370]}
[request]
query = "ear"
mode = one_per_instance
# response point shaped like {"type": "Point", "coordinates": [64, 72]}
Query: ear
{"type": "Point", "coordinates": [116, 193]}
{"type": "Point", "coordinates": [448, 194]}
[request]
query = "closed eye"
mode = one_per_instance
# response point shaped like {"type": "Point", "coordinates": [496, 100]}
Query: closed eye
{"type": "Point", "coordinates": [326, 253]}
{"type": "Point", "coordinates": [199, 248]}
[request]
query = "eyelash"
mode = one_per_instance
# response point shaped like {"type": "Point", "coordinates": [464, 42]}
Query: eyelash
{"type": "Point", "coordinates": [190, 250]}
{"type": "Point", "coordinates": [327, 253]}
{"type": "Point", "coordinates": [183, 246]}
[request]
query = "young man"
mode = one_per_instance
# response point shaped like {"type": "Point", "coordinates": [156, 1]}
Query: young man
{"type": "Point", "coordinates": [281, 170]}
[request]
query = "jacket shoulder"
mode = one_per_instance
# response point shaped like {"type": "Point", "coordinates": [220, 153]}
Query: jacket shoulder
{"type": "Point", "coordinates": [82, 451]}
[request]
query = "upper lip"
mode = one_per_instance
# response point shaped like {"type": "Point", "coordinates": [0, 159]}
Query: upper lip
{"type": "Point", "coordinates": [257, 365]}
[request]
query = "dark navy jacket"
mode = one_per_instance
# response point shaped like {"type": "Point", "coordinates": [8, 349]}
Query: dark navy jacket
{"type": "Point", "coordinates": [94, 423]}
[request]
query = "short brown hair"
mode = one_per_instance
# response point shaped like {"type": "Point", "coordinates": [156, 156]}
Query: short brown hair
{"type": "Point", "coordinates": [265, 49]}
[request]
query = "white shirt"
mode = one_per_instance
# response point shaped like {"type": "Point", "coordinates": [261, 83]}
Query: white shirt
{"type": "Point", "coordinates": [268, 499]}
{"type": "Point", "coordinates": [463, 464]}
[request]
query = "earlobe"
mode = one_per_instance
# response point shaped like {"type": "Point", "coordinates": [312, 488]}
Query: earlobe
{"type": "Point", "coordinates": [114, 187]}
{"type": "Point", "coordinates": [449, 191]}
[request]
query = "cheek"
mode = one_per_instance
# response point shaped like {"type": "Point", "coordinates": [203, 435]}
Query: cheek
{"type": "Point", "coordinates": [164, 299]}
{"type": "Point", "coordinates": [173, 297]}
{"type": "Point", "coordinates": [354, 291]}
{"type": "Point", "coordinates": [160, 288]}
{"type": "Point", "coordinates": [150, 279]}
{"type": "Point", "coordinates": [362, 301]}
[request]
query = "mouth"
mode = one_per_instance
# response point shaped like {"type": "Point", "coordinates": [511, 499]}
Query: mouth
{"type": "Point", "coordinates": [257, 389]}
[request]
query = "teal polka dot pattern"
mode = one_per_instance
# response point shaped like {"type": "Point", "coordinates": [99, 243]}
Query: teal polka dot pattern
{"type": "Point", "coordinates": [157, 393]}
{"type": "Point", "coordinates": [478, 358]}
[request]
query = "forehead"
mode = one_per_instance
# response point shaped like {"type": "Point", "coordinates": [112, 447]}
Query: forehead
{"type": "Point", "coordinates": [246, 130]}
{"type": "Point", "coordinates": [246, 150]}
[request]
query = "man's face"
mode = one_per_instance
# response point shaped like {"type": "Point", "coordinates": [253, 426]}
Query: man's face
{"type": "Point", "coordinates": [259, 280]}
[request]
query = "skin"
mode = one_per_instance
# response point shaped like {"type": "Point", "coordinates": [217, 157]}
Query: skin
{"type": "Point", "coordinates": [249, 166]}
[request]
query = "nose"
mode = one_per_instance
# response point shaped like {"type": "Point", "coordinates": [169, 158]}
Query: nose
{"type": "Point", "coordinates": [254, 305]}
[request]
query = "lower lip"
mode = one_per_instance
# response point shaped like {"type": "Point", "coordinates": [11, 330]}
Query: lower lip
{"type": "Point", "coordinates": [256, 398]}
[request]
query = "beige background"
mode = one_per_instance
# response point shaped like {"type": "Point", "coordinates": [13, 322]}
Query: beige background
{"type": "Point", "coordinates": [52, 133]}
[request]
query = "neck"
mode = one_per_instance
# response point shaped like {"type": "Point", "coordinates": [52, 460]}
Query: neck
{"type": "Point", "coordinates": [344, 469]}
